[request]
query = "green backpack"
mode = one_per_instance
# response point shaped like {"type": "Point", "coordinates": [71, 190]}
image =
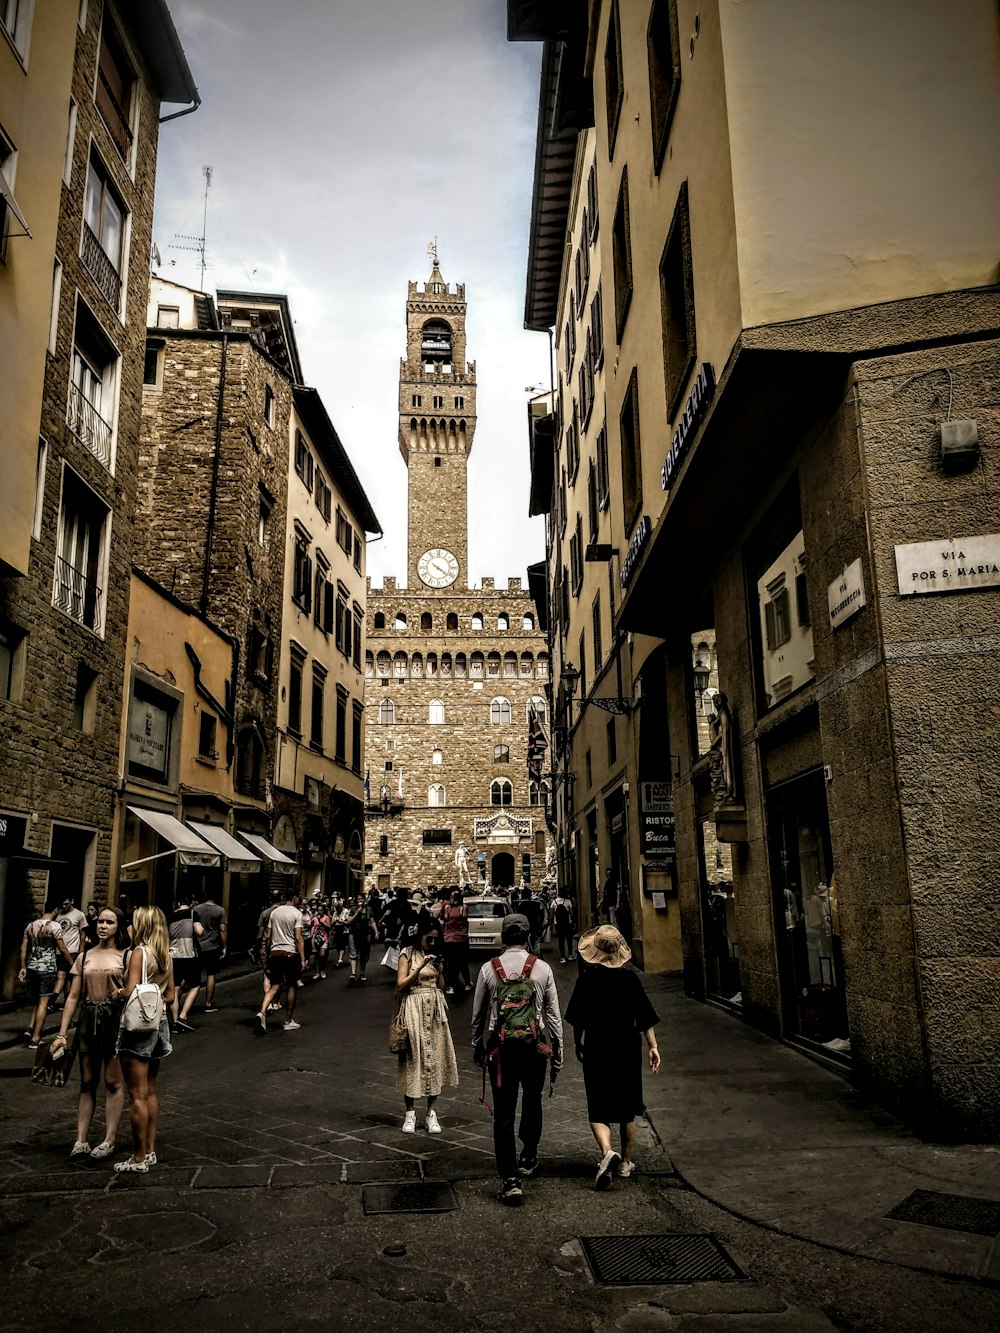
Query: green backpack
{"type": "Point", "coordinates": [517, 1008]}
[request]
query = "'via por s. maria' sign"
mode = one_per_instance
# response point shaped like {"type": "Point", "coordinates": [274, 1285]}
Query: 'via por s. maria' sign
{"type": "Point", "coordinates": [953, 564]}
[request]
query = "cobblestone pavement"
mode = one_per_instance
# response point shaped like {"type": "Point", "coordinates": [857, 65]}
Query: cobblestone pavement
{"type": "Point", "coordinates": [254, 1217]}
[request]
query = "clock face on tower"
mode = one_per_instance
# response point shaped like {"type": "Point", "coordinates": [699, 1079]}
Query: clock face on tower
{"type": "Point", "coordinates": [438, 568]}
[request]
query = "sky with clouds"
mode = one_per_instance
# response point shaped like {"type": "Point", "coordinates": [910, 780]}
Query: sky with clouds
{"type": "Point", "coordinates": [343, 135]}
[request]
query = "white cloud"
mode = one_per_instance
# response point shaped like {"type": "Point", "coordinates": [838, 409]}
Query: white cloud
{"type": "Point", "coordinates": [342, 137]}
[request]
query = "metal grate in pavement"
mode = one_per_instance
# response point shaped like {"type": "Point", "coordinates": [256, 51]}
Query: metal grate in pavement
{"type": "Point", "coordinates": [952, 1212]}
{"type": "Point", "coordinates": [652, 1260]}
{"type": "Point", "coordinates": [412, 1196]}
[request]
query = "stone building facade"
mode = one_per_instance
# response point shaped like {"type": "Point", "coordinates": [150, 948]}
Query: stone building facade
{"type": "Point", "coordinates": [63, 617]}
{"type": "Point", "coordinates": [253, 515]}
{"type": "Point", "coordinates": [802, 441]}
{"type": "Point", "coordinates": [451, 671]}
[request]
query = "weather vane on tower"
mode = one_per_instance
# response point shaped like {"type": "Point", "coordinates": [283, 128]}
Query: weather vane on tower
{"type": "Point", "coordinates": [432, 249]}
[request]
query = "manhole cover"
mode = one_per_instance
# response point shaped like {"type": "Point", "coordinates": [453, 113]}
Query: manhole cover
{"type": "Point", "coordinates": [646, 1260]}
{"type": "Point", "coordinates": [954, 1212]}
{"type": "Point", "coordinates": [415, 1196]}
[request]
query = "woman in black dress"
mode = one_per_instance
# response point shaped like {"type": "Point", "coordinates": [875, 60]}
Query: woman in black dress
{"type": "Point", "coordinates": [610, 1014]}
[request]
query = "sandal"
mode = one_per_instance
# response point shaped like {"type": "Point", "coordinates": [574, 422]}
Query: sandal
{"type": "Point", "coordinates": [80, 1149]}
{"type": "Point", "coordinates": [129, 1166]}
{"type": "Point", "coordinates": [101, 1151]}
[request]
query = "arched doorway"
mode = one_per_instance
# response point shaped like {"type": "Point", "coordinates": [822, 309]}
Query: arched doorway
{"type": "Point", "coordinates": [502, 870]}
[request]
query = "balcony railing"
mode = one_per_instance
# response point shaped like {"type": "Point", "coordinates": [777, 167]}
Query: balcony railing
{"type": "Point", "coordinates": [101, 267]}
{"type": "Point", "coordinates": [114, 116]}
{"type": "Point", "coordinates": [89, 426]}
{"type": "Point", "coordinates": [77, 595]}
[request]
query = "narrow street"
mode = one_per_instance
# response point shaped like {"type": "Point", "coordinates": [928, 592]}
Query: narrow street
{"type": "Point", "coordinates": [255, 1216]}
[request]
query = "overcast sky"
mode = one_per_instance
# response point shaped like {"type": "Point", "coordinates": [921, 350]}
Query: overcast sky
{"type": "Point", "coordinates": [344, 135]}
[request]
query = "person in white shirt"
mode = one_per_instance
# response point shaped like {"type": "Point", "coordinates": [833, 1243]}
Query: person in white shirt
{"type": "Point", "coordinates": [516, 1065]}
{"type": "Point", "coordinates": [286, 958]}
{"type": "Point", "coordinates": [73, 924]}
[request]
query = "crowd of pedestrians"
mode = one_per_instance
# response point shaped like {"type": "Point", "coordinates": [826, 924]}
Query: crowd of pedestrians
{"type": "Point", "coordinates": [112, 967]}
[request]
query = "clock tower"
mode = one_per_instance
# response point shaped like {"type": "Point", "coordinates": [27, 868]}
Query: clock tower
{"type": "Point", "coordinates": [437, 420]}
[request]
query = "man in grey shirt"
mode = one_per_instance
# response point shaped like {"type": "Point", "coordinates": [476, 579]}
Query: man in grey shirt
{"type": "Point", "coordinates": [212, 944]}
{"type": "Point", "coordinates": [515, 1066]}
{"type": "Point", "coordinates": [286, 957]}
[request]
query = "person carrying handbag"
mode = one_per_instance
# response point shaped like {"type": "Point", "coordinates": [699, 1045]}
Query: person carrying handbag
{"type": "Point", "coordinates": [144, 1035]}
{"type": "Point", "coordinates": [96, 978]}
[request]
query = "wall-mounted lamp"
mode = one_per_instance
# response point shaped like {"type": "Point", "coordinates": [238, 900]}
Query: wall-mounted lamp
{"type": "Point", "coordinates": [599, 553]}
{"type": "Point", "coordinates": [702, 675]}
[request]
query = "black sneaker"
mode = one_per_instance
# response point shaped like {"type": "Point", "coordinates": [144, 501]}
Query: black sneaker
{"type": "Point", "coordinates": [511, 1193]}
{"type": "Point", "coordinates": [211, 1009]}
{"type": "Point", "coordinates": [182, 1026]}
{"type": "Point", "coordinates": [526, 1165]}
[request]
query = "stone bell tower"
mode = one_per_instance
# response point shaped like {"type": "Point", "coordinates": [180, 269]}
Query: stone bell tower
{"type": "Point", "coordinates": [437, 420]}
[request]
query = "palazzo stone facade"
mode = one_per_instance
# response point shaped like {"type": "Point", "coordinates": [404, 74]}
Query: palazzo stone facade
{"type": "Point", "coordinates": [453, 672]}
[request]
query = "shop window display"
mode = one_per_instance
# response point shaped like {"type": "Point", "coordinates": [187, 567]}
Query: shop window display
{"type": "Point", "coordinates": [807, 912]}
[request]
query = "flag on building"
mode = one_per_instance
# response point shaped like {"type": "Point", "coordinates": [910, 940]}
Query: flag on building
{"type": "Point", "coordinates": [399, 783]}
{"type": "Point", "coordinates": [368, 786]}
{"type": "Point", "coordinates": [538, 743]}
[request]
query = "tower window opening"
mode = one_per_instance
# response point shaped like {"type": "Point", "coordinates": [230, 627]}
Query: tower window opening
{"type": "Point", "coordinates": [437, 460]}
{"type": "Point", "coordinates": [435, 343]}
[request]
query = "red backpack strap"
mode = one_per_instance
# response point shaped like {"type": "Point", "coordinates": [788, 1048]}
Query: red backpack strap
{"type": "Point", "coordinates": [529, 964]}
{"type": "Point", "coordinates": [501, 975]}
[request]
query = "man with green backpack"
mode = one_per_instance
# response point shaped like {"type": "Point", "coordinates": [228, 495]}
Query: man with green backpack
{"type": "Point", "coordinates": [516, 1030]}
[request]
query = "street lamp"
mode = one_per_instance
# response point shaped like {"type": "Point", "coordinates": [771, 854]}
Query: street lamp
{"type": "Point", "coordinates": [702, 675]}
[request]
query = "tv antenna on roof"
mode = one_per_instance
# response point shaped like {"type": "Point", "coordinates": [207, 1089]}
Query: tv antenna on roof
{"type": "Point", "coordinates": [198, 242]}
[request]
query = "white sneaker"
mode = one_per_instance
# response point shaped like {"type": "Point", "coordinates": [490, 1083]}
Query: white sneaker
{"type": "Point", "coordinates": [80, 1149]}
{"type": "Point", "coordinates": [410, 1122]}
{"type": "Point", "coordinates": [604, 1169]}
{"type": "Point", "coordinates": [292, 1026]}
{"type": "Point", "coordinates": [431, 1123]}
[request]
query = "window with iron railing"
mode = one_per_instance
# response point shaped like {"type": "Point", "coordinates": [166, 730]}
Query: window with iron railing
{"type": "Point", "coordinates": [104, 217]}
{"type": "Point", "coordinates": [78, 581]}
{"type": "Point", "coordinates": [83, 415]}
{"type": "Point", "coordinates": [113, 92]}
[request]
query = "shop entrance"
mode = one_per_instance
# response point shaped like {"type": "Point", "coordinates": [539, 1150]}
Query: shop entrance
{"type": "Point", "coordinates": [722, 951]}
{"type": "Point", "coordinates": [806, 912]}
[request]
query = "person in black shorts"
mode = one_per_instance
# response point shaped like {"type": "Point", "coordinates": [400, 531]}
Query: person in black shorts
{"type": "Point", "coordinates": [286, 957]}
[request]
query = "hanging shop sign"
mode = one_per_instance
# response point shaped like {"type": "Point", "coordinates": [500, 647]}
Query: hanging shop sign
{"type": "Point", "coordinates": [694, 410]}
{"type": "Point", "coordinates": [846, 595]}
{"type": "Point", "coordinates": [657, 824]}
{"type": "Point", "coordinates": [635, 548]}
{"type": "Point", "coordinates": [656, 797]}
{"type": "Point", "coordinates": [148, 733]}
{"type": "Point", "coordinates": [953, 564]}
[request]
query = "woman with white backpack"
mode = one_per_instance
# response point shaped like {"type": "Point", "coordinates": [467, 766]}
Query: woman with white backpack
{"type": "Point", "coordinates": [144, 1037]}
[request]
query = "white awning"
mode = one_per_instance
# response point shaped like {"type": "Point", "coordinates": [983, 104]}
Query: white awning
{"type": "Point", "coordinates": [235, 853]}
{"type": "Point", "coordinates": [191, 850]}
{"type": "Point", "coordinates": [8, 195]}
{"type": "Point", "coordinates": [282, 863]}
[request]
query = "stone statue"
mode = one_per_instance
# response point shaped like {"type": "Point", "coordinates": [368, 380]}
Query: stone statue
{"type": "Point", "coordinates": [462, 864]}
{"type": "Point", "coordinates": [723, 771]}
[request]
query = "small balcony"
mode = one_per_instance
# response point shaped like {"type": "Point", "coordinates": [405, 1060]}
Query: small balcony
{"type": "Point", "coordinates": [77, 595]}
{"type": "Point", "coordinates": [102, 268]}
{"type": "Point", "coordinates": [113, 115]}
{"type": "Point", "coordinates": [89, 427]}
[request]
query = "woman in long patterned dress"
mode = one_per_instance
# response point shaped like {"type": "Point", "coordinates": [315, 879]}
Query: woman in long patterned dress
{"type": "Point", "coordinates": [428, 1064]}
